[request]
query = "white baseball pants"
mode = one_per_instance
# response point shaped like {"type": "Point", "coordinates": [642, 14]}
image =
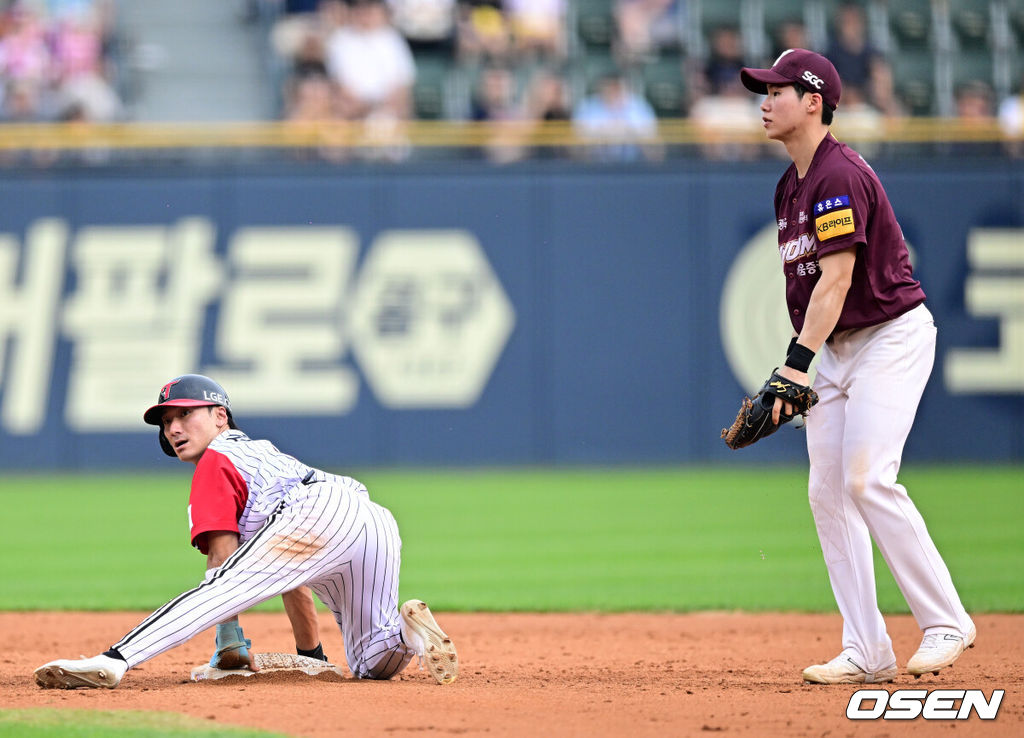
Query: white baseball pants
{"type": "Point", "coordinates": [870, 382]}
{"type": "Point", "coordinates": [334, 540]}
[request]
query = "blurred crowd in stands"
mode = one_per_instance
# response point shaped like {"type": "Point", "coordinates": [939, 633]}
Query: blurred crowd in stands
{"type": "Point", "coordinates": [612, 68]}
{"type": "Point", "coordinates": [57, 61]}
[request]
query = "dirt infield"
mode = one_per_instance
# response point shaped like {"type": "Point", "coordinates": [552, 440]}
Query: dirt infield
{"type": "Point", "coordinates": [526, 675]}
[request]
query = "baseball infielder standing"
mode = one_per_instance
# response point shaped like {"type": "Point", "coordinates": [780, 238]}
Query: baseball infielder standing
{"type": "Point", "coordinates": [270, 525]}
{"type": "Point", "coordinates": [851, 296]}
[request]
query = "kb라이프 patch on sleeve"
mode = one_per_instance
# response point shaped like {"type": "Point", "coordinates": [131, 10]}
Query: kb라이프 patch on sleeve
{"type": "Point", "coordinates": [833, 217]}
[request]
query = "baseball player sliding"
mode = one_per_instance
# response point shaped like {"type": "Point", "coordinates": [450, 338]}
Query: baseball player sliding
{"type": "Point", "coordinates": [270, 525]}
{"type": "Point", "coordinates": [851, 296]}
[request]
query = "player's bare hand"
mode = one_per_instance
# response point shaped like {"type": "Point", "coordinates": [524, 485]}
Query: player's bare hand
{"type": "Point", "coordinates": [233, 648]}
{"type": "Point", "coordinates": [235, 659]}
{"type": "Point", "coordinates": [781, 406]}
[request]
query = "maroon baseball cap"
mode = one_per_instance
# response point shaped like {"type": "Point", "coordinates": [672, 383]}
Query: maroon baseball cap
{"type": "Point", "coordinates": [811, 70]}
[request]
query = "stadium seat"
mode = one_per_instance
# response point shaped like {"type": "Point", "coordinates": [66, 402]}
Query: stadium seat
{"type": "Point", "coordinates": [664, 86]}
{"type": "Point", "coordinates": [430, 89]}
{"type": "Point", "coordinates": [778, 12]}
{"type": "Point", "coordinates": [971, 22]}
{"type": "Point", "coordinates": [914, 76]}
{"type": "Point", "coordinates": [585, 72]}
{"type": "Point", "coordinates": [911, 23]}
{"type": "Point", "coordinates": [1017, 72]}
{"type": "Point", "coordinates": [1016, 12]}
{"type": "Point", "coordinates": [595, 24]}
{"type": "Point", "coordinates": [973, 65]}
{"type": "Point", "coordinates": [597, 65]}
{"type": "Point", "coordinates": [830, 7]}
{"type": "Point", "coordinates": [717, 13]}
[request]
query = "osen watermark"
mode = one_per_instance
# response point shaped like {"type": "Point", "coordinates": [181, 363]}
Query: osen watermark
{"type": "Point", "coordinates": [909, 704]}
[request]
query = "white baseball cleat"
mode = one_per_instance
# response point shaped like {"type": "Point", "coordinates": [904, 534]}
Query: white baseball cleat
{"type": "Point", "coordinates": [844, 670]}
{"type": "Point", "coordinates": [99, 671]}
{"type": "Point", "coordinates": [432, 645]}
{"type": "Point", "coordinates": [939, 650]}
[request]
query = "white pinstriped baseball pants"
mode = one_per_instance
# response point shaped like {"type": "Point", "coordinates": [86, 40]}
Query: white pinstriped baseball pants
{"type": "Point", "coordinates": [870, 382]}
{"type": "Point", "coordinates": [338, 542]}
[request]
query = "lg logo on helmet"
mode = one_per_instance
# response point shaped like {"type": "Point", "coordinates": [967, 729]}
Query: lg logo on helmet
{"type": "Point", "coordinates": [166, 391]}
{"type": "Point", "coordinates": [812, 79]}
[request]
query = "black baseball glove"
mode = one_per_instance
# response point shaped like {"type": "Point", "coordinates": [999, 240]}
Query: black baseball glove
{"type": "Point", "coordinates": [754, 420]}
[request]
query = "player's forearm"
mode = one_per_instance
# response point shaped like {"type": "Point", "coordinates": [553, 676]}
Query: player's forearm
{"type": "Point", "coordinates": [220, 545]}
{"type": "Point", "coordinates": [822, 315]}
{"type": "Point", "coordinates": [827, 299]}
{"type": "Point", "coordinates": [301, 610]}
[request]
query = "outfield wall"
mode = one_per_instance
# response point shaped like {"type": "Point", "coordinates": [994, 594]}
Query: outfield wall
{"type": "Point", "coordinates": [466, 314]}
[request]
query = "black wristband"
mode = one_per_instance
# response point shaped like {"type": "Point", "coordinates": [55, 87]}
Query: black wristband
{"type": "Point", "coordinates": [313, 653]}
{"type": "Point", "coordinates": [800, 358]}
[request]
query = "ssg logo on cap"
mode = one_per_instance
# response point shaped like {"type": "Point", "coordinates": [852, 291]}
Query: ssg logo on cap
{"type": "Point", "coordinates": [812, 79]}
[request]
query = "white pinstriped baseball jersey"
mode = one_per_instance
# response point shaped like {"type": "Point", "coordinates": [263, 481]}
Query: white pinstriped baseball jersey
{"type": "Point", "coordinates": [239, 482]}
{"type": "Point", "coordinates": [298, 526]}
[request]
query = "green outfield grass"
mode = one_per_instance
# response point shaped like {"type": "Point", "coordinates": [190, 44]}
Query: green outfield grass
{"type": "Point", "coordinates": [674, 539]}
{"type": "Point", "coordinates": [129, 724]}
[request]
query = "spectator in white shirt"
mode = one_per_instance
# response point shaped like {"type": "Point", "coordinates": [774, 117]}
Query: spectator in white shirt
{"type": "Point", "coordinates": [372, 65]}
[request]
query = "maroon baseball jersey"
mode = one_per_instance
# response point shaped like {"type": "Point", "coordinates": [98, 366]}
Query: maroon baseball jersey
{"type": "Point", "coordinates": [840, 204]}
